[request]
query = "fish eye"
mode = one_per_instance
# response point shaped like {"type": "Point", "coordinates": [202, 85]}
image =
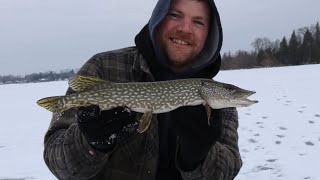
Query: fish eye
{"type": "Point", "coordinates": [230, 88]}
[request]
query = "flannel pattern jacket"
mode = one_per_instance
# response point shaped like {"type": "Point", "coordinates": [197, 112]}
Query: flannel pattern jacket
{"type": "Point", "coordinates": [67, 154]}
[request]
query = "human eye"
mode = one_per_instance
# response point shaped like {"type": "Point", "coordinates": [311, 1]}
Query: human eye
{"type": "Point", "coordinates": [174, 15]}
{"type": "Point", "coordinates": [199, 22]}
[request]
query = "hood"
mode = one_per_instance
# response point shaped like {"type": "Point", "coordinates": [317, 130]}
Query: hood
{"type": "Point", "coordinates": [207, 56]}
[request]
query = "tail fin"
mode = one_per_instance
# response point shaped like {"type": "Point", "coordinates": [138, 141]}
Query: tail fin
{"type": "Point", "coordinates": [50, 103]}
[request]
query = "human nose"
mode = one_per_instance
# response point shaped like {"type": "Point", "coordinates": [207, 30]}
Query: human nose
{"type": "Point", "coordinates": [185, 26]}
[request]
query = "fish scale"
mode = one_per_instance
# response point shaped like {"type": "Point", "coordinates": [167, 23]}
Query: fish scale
{"type": "Point", "coordinates": [141, 97]}
{"type": "Point", "coordinates": [149, 97]}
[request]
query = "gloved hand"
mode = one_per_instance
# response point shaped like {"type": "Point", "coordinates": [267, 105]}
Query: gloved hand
{"type": "Point", "coordinates": [104, 129]}
{"type": "Point", "coordinates": [196, 136]}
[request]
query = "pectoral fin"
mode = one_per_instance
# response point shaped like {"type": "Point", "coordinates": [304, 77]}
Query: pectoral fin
{"type": "Point", "coordinates": [208, 110]}
{"type": "Point", "coordinates": [204, 95]}
{"type": "Point", "coordinates": [145, 122]}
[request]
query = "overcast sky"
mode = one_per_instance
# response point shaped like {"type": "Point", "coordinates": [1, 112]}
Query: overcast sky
{"type": "Point", "coordinates": [43, 35]}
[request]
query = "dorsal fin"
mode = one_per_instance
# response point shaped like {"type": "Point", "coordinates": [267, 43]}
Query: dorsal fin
{"type": "Point", "coordinates": [80, 83]}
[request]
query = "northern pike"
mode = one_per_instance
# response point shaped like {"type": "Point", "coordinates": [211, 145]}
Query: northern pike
{"type": "Point", "coordinates": [149, 97]}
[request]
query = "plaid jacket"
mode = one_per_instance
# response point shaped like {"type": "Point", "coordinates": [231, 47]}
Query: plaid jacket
{"type": "Point", "coordinates": [66, 152]}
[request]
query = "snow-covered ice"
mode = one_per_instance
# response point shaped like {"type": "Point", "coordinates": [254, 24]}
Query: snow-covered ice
{"type": "Point", "coordinates": [279, 136]}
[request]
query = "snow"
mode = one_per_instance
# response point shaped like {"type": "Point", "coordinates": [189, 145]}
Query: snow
{"type": "Point", "coordinates": [279, 136]}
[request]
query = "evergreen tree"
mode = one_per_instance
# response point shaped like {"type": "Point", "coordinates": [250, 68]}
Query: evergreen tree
{"type": "Point", "coordinates": [317, 43]}
{"type": "Point", "coordinates": [294, 54]}
{"type": "Point", "coordinates": [307, 47]}
{"type": "Point", "coordinates": [283, 54]}
{"type": "Point", "coordinates": [317, 35]}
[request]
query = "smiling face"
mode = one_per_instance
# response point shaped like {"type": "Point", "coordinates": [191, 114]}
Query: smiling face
{"type": "Point", "coordinates": [183, 32]}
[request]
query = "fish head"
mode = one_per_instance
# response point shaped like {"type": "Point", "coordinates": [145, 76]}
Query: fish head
{"type": "Point", "coordinates": [221, 95]}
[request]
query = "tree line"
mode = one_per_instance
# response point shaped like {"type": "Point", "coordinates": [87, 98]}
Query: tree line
{"type": "Point", "coordinates": [303, 47]}
{"type": "Point", "coordinates": [38, 77]}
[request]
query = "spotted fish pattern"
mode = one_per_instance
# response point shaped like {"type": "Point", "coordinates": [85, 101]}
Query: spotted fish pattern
{"type": "Point", "coordinates": [148, 97]}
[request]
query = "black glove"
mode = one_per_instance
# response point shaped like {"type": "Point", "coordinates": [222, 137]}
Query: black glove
{"type": "Point", "coordinates": [196, 136]}
{"type": "Point", "coordinates": [104, 129]}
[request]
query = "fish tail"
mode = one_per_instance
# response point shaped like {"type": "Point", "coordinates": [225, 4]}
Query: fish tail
{"type": "Point", "coordinates": [50, 103]}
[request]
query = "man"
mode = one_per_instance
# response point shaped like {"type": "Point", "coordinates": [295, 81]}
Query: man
{"type": "Point", "coordinates": [182, 40]}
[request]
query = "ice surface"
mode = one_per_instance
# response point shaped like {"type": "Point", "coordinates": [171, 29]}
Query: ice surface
{"type": "Point", "coordinates": [279, 136]}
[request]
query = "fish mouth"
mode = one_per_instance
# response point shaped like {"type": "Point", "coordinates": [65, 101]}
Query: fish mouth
{"type": "Point", "coordinates": [248, 102]}
{"type": "Point", "coordinates": [244, 101]}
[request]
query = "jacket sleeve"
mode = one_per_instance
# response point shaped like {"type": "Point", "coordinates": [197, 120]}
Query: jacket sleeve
{"type": "Point", "coordinates": [66, 152]}
{"type": "Point", "coordinates": [223, 161]}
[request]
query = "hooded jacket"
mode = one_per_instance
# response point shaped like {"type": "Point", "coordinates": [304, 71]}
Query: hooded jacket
{"type": "Point", "coordinates": [205, 65]}
{"type": "Point", "coordinates": [67, 154]}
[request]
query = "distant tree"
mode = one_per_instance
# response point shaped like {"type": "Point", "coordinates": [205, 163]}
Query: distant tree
{"type": "Point", "coordinates": [283, 52]}
{"type": "Point", "coordinates": [226, 61]}
{"type": "Point", "coordinates": [38, 77]}
{"type": "Point", "coordinates": [257, 44]}
{"type": "Point", "coordinates": [261, 55]}
{"type": "Point", "coordinates": [300, 34]}
{"type": "Point", "coordinates": [308, 47]}
{"type": "Point", "coordinates": [261, 44]}
{"type": "Point", "coordinates": [317, 34]}
{"type": "Point", "coordinates": [10, 79]}
{"type": "Point", "coordinates": [300, 48]}
{"type": "Point", "coordinates": [317, 43]}
{"type": "Point", "coordinates": [276, 46]}
{"type": "Point", "coordinates": [294, 53]}
{"type": "Point", "coordinates": [240, 60]}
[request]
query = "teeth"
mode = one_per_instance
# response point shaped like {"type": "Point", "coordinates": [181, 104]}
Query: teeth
{"type": "Point", "coordinates": [180, 41]}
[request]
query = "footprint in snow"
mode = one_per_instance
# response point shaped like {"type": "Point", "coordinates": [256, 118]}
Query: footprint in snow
{"type": "Point", "coordinates": [281, 136]}
{"type": "Point", "coordinates": [272, 160]}
{"type": "Point", "coordinates": [280, 175]}
{"type": "Point", "coordinates": [245, 150]}
{"type": "Point", "coordinates": [252, 141]}
{"type": "Point", "coordinates": [259, 148]}
{"type": "Point", "coordinates": [278, 142]}
{"type": "Point", "coordinates": [263, 168]}
{"type": "Point", "coordinates": [282, 128]}
{"type": "Point", "coordinates": [309, 143]}
{"type": "Point", "coordinates": [256, 135]}
{"type": "Point", "coordinates": [311, 122]}
{"type": "Point", "coordinates": [317, 115]}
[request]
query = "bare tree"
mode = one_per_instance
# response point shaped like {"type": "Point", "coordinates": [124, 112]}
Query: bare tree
{"type": "Point", "coordinates": [261, 44]}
